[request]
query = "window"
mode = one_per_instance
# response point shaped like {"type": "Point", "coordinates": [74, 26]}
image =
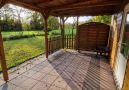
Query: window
{"type": "Point", "coordinates": [125, 42]}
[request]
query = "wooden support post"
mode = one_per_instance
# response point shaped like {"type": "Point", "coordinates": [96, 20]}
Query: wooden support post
{"type": "Point", "coordinates": [62, 22]}
{"type": "Point", "coordinates": [46, 15]}
{"type": "Point", "coordinates": [2, 55]}
{"type": "Point", "coordinates": [62, 30]}
{"type": "Point", "coordinates": [77, 38]}
{"type": "Point", "coordinates": [3, 61]}
{"type": "Point", "coordinates": [2, 3]}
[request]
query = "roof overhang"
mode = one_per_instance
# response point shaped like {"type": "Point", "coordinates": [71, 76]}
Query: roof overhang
{"type": "Point", "coordinates": [72, 7]}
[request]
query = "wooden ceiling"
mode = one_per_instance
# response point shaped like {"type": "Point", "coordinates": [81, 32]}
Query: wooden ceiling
{"type": "Point", "coordinates": [72, 7]}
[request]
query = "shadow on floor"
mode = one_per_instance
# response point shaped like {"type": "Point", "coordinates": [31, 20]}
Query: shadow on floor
{"type": "Point", "coordinates": [66, 70]}
{"type": "Point", "coordinates": [85, 72]}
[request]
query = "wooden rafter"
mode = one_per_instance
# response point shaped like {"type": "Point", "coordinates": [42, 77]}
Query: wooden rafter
{"type": "Point", "coordinates": [71, 7]}
{"type": "Point", "coordinates": [36, 2]}
{"type": "Point", "coordinates": [2, 2]}
{"type": "Point", "coordinates": [80, 9]}
{"type": "Point", "coordinates": [89, 11]}
{"type": "Point", "coordinates": [87, 4]}
{"type": "Point", "coordinates": [25, 5]}
{"type": "Point", "coordinates": [123, 4]}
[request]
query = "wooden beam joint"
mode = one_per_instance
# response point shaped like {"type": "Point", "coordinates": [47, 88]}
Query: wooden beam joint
{"type": "Point", "coordinates": [2, 3]}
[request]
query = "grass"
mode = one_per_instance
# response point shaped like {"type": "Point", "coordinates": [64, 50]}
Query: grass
{"type": "Point", "coordinates": [8, 34]}
{"type": "Point", "coordinates": [16, 33]}
{"type": "Point", "coordinates": [18, 51]}
{"type": "Point", "coordinates": [67, 31]}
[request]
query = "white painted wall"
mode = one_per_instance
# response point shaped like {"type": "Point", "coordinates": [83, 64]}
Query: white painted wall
{"type": "Point", "coordinates": [120, 70]}
{"type": "Point", "coordinates": [121, 61]}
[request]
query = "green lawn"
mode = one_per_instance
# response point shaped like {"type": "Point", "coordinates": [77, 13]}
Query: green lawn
{"type": "Point", "coordinates": [8, 34]}
{"type": "Point", "coordinates": [18, 51]}
{"type": "Point", "coordinates": [16, 33]}
{"type": "Point", "coordinates": [67, 31]}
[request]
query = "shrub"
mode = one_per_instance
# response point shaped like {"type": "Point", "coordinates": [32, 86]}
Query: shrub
{"type": "Point", "coordinates": [20, 37]}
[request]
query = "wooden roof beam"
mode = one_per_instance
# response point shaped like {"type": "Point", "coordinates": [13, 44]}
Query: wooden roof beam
{"type": "Point", "coordinates": [110, 12]}
{"type": "Point", "coordinates": [2, 3]}
{"type": "Point", "coordinates": [123, 4]}
{"type": "Point", "coordinates": [88, 3]}
{"type": "Point", "coordinates": [25, 5]}
{"type": "Point", "coordinates": [92, 11]}
{"type": "Point", "coordinates": [83, 7]}
{"type": "Point", "coordinates": [84, 14]}
{"type": "Point", "coordinates": [64, 1]}
{"type": "Point", "coordinates": [41, 1]}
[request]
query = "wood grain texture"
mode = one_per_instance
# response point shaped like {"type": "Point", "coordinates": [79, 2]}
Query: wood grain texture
{"type": "Point", "coordinates": [116, 26]}
{"type": "Point", "coordinates": [73, 7]}
{"type": "Point", "coordinates": [126, 80]}
{"type": "Point", "coordinates": [2, 60]}
{"type": "Point", "coordinates": [92, 35]}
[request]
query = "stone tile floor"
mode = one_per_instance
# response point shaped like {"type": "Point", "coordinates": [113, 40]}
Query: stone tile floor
{"type": "Point", "coordinates": [64, 70]}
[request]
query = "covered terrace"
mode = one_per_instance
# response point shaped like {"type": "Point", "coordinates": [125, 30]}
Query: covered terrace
{"type": "Point", "coordinates": [64, 70]}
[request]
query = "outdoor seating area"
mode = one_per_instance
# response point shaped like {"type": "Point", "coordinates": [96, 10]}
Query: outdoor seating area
{"type": "Point", "coordinates": [65, 70]}
{"type": "Point", "coordinates": [68, 55]}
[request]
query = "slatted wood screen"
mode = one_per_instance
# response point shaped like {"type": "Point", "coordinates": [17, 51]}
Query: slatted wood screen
{"type": "Point", "coordinates": [54, 44]}
{"type": "Point", "coordinates": [69, 41]}
{"type": "Point", "coordinates": [92, 35]}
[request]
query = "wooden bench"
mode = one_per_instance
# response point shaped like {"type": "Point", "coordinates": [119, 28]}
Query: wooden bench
{"type": "Point", "coordinates": [103, 50]}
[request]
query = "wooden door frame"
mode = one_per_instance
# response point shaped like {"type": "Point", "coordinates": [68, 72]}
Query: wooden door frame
{"type": "Point", "coordinates": [126, 10]}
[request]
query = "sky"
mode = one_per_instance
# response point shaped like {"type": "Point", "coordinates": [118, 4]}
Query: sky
{"type": "Point", "coordinates": [69, 20]}
{"type": "Point", "coordinates": [81, 19]}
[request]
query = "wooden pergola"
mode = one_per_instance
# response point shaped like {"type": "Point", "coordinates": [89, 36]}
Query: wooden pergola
{"type": "Point", "coordinates": [62, 8]}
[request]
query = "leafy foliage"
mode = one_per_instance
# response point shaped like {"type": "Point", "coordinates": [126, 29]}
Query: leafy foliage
{"type": "Point", "coordinates": [12, 19]}
{"type": "Point", "coordinates": [103, 19]}
{"type": "Point", "coordinates": [36, 21]}
{"type": "Point", "coordinates": [53, 23]}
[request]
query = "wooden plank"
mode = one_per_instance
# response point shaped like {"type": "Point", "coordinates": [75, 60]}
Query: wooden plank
{"type": "Point", "coordinates": [93, 35]}
{"type": "Point", "coordinates": [67, 42]}
{"type": "Point", "coordinates": [62, 22]}
{"type": "Point", "coordinates": [126, 79]}
{"type": "Point", "coordinates": [87, 4]}
{"type": "Point", "coordinates": [3, 61]}
{"type": "Point", "coordinates": [45, 14]}
{"type": "Point", "coordinates": [25, 5]}
{"type": "Point", "coordinates": [77, 35]}
{"type": "Point", "coordinates": [49, 46]}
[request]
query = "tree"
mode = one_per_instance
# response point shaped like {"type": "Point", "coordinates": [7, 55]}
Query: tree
{"type": "Point", "coordinates": [103, 19]}
{"type": "Point", "coordinates": [6, 21]}
{"type": "Point", "coordinates": [10, 17]}
{"type": "Point", "coordinates": [26, 26]}
{"type": "Point", "coordinates": [36, 21]}
{"type": "Point", "coordinates": [17, 11]}
{"type": "Point", "coordinates": [53, 23]}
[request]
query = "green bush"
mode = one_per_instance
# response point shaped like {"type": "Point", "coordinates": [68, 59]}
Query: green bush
{"type": "Point", "coordinates": [20, 37]}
